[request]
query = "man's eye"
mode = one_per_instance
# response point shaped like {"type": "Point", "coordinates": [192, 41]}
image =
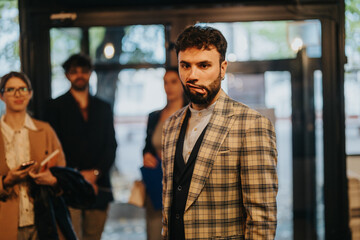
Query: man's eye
{"type": "Point", "coordinates": [85, 70]}
{"type": "Point", "coordinates": [204, 65]}
{"type": "Point", "coordinates": [185, 66]}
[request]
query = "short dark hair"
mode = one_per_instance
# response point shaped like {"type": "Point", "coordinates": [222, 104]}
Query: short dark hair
{"type": "Point", "coordinates": [201, 37]}
{"type": "Point", "coordinates": [77, 60]}
{"type": "Point", "coordinates": [12, 74]}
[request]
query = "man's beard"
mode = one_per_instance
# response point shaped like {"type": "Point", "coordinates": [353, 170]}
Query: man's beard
{"type": "Point", "coordinates": [204, 99]}
{"type": "Point", "coordinates": [80, 87]}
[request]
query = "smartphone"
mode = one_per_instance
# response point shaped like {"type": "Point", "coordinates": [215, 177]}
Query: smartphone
{"type": "Point", "coordinates": [26, 164]}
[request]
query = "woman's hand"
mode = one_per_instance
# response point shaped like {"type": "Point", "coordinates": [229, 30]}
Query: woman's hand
{"type": "Point", "coordinates": [15, 176]}
{"type": "Point", "coordinates": [150, 161]}
{"type": "Point", "coordinates": [43, 178]}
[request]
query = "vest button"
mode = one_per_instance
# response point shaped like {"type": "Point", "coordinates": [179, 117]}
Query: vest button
{"type": "Point", "coordinates": [177, 216]}
{"type": "Point", "coordinates": [179, 188]}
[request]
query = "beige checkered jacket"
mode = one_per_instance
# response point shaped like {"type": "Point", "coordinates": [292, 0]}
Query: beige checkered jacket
{"type": "Point", "coordinates": [234, 184]}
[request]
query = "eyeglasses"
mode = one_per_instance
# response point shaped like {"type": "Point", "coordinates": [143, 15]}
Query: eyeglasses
{"type": "Point", "coordinates": [12, 91]}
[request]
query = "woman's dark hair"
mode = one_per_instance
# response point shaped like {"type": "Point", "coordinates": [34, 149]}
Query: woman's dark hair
{"type": "Point", "coordinates": [201, 37]}
{"type": "Point", "coordinates": [77, 60]}
{"type": "Point", "coordinates": [9, 75]}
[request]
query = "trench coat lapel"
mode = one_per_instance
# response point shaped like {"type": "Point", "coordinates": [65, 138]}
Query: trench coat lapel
{"type": "Point", "coordinates": [3, 166]}
{"type": "Point", "coordinates": [216, 132]}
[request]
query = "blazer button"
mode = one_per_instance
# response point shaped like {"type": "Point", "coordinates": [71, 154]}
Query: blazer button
{"type": "Point", "coordinates": [179, 188]}
{"type": "Point", "coordinates": [177, 216]}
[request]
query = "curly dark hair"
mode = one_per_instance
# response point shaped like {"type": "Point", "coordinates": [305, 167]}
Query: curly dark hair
{"type": "Point", "coordinates": [201, 37]}
{"type": "Point", "coordinates": [77, 60]}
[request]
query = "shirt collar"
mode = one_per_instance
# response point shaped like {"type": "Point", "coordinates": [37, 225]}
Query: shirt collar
{"type": "Point", "coordinates": [7, 130]}
{"type": "Point", "coordinates": [29, 123]}
{"type": "Point", "coordinates": [203, 112]}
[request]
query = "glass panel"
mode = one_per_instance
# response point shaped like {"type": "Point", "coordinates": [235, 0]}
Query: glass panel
{"type": "Point", "coordinates": [278, 98]}
{"type": "Point", "coordinates": [9, 42]}
{"type": "Point", "coordinates": [269, 40]}
{"type": "Point", "coordinates": [64, 42]}
{"type": "Point", "coordinates": [352, 112]}
{"type": "Point", "coordinates": [134, 100]}
{"type": "Point", "coordinates": [352, 77]}
{"type": "Point", "coordinates": [126, 45]}
{"type": "Point", "coordinates": [139, 92]}
{"type": "Point", "coordinates": [271, 91]}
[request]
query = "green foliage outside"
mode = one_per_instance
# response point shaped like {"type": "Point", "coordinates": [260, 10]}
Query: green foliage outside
{"type": "Point", "coordinates": [352, 27]}
{"type": "Point", "coordinates": [9, 35]}
{"type": "Point", "coordinates": [273, 33]}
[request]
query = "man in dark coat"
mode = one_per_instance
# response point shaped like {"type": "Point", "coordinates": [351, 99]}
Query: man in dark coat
{"type": "Point", "coordinates": [84, 124]}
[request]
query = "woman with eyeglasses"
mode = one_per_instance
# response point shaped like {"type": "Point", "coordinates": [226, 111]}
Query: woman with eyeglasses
{"type": "Point", "coordinates": [24, 143]}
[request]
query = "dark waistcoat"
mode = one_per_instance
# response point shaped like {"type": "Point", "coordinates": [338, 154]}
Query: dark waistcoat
{"type": "Point", "coordinates": [181, 182]}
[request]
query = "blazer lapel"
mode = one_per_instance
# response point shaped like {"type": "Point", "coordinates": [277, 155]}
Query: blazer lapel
{"type": "Point", "coordinates": [172, 135]}
{"type": "Point", "coordinates": [217, 130]}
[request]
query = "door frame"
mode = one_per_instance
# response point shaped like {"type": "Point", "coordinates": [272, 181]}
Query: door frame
{"type": "Point", "coordinates": [35, 23]}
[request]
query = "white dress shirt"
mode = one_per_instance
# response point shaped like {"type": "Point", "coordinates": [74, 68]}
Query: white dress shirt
{"type": "Point", "coordinates": [17, 151]}
{"type": "Point", "coordinates": [197, 122]}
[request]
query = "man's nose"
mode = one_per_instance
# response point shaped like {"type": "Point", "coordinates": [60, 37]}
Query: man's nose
{"type": "Point", "coordinates": [79, 74]}
{"type": "Point", "coordinates": [193, 73]}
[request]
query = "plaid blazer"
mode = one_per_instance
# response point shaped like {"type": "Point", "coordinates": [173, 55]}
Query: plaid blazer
{"type": "Point", "coordinates": [233, 188]}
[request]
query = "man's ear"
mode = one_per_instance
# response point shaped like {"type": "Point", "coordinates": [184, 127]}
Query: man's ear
{"type": "Point", "coordinates": [223, 67]}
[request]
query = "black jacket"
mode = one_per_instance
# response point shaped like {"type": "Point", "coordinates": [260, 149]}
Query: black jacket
{"type": "Point", "coordinates": [50, 208]}
{"type": "Point", "coordinates": [153, 120]}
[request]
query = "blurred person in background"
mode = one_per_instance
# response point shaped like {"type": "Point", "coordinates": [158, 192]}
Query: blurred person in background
{"type": "Point", "coordinates": [85, 126]}
{"type": "Point", "coordinates": [152, 150]}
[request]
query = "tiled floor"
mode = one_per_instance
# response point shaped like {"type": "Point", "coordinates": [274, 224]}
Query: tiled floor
{"type": "Point", "coordinates": [125, 229]}
{"type": "Point", "coordinates": [125, 222]}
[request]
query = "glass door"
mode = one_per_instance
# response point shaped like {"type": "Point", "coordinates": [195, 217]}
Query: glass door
{"type": "Point", "coordinates": [127, 73]}
{"type": "Point", "coordinates": [274, 67]}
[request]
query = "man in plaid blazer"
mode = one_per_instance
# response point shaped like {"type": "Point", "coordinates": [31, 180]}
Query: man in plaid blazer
{"type": "Point", "coordinates": [219, 156]}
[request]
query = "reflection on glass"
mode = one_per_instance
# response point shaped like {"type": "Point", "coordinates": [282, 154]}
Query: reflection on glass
{"type": "Point", "coordinates": [305, 34]}
{"type": "Point", "coordinates": [134, 44]}
{"type": "Point", "coordinates": [109, 50]}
